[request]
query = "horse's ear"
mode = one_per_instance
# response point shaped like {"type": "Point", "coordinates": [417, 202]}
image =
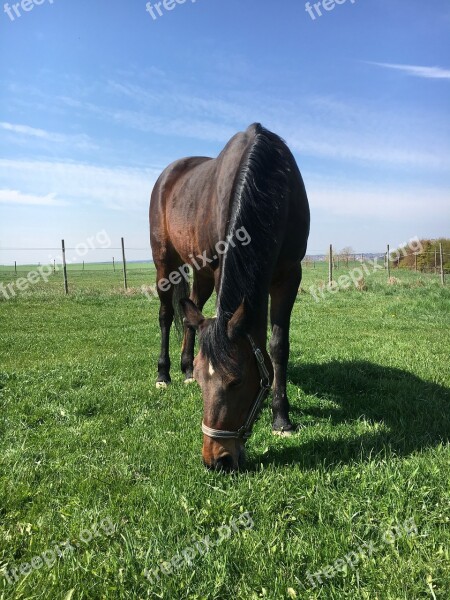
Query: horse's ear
{"type": "Point", "coordinates": [192, 315]}
{"type": "Point", "coordinates": [237, 323]}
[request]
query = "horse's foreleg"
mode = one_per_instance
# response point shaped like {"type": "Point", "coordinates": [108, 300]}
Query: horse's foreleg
{"type": "Point", "coordinates": [166, 315]}
{"type": "Point", "coordinates": [283, 293]}
{"type": "Point", "coordinates": [202, 289]}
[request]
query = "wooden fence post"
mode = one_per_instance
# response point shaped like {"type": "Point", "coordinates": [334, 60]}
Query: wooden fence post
{"type": "Point", "coordinates": [15, 268]}
{"type": "Point", "coordinates": [330, 264]}
{"type": "Point", "coordinates": [435, 260]}
{"type": "Point", "coordinates": [388, 267]}
{"type": "Point", "coordinates": [442, 264]}
{"type": "Point", "coordinates": [114, 265]}
{"type": "Point", "coordinates": [66, 285]}
{"type": "Point", "coordinates": [415, 261]}
{"type": "Point", "coordinates": [125, 284]}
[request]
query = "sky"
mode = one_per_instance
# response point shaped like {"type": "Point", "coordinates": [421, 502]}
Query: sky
{"type": "Point", "coordinates": [97, 97]}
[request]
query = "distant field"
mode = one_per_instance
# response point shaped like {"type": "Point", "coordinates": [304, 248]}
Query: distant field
{"type": "Point", "coordinates": [85, 438]}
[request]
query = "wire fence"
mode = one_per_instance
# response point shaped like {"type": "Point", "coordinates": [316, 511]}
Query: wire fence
{"type": "Point", "coordinates": [125, 267]}
{"type": "Point", "coordinates": [434, 261]}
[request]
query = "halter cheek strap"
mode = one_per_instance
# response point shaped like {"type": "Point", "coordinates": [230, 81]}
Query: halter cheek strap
{"type": "Point", "coordinates": [264, 388]}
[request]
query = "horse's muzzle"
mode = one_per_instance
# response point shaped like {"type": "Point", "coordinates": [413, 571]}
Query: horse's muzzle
{"type": "Point", "coordinates": [226, 463]}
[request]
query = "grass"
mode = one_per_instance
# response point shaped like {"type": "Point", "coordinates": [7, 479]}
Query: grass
{"type": "Point", "coordinates": [85, 437]}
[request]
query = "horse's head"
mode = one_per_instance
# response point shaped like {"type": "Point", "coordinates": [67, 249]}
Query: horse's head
{"type": "Point", "coordinates": [233, 388]}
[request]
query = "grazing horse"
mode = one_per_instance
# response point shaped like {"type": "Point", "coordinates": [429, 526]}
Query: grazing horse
{"type": "Point", "coordinates": [240, 222]}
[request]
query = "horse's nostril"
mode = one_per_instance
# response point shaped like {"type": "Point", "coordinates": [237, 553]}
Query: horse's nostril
{"type": "Point", "coordinates": [225, 463]}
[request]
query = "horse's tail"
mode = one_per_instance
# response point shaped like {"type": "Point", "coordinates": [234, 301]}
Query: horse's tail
{"type": "Point", "coordinates": [180, 291]}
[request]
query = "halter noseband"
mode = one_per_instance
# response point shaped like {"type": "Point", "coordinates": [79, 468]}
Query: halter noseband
{"type": "Point", "coordinates": [264, 388]}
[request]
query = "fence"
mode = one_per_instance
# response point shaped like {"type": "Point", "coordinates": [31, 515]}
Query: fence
{"type": "Point", "coordinates": [79, 263]}
{"type": "Point", "coordinates": [335, 261]}
{"type": "Point", "coordinates": [437, 262]}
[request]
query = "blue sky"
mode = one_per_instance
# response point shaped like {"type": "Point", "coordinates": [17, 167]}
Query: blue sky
{"type": "Point", "coordinates": [98, 97]}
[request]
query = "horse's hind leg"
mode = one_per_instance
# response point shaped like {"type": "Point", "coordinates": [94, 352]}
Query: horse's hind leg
{"type": "Point", "coordinates": [166, 315]}
{"type": "Point", "coordinates": [283, 292]}
{"type": "Point", "coordinates": [202, 289]}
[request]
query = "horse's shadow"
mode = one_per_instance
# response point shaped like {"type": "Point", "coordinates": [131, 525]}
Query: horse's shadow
{"type": "Point", "coordinates": [372, 410]}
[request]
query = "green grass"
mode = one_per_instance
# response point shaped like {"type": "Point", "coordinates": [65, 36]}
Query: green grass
{"type": "Point", "coordinates": [85, 436]}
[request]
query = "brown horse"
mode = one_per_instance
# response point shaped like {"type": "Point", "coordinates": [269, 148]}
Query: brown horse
{"type": "Point", "coordinates": [240, 222]}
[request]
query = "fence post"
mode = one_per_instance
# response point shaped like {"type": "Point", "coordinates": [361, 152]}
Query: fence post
{"type": "Point", "coordinates": [15, 268]}
{"type": "Point", "coordinates": [114, 265]}
{"type": "Point", "coordinates": [442, 264]}
{"type": "Point", "coordinates": [415, 261]}
{"type": "Point", "coordinates": [330, 264]}
{"type": "Point", "coordinates": [54, 266]}
{"type": "Point", "coordinates": [66, 285]}
{"type": "Point", "coordinates": [388, 267]}
{"type": "Point", "coordinates": [125, 284]}
{"type": "Point", "coordinates": [435, 261]}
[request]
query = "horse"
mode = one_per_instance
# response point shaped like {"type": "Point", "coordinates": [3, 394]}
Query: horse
{"type": "Point", "coordinates": [240, 223]}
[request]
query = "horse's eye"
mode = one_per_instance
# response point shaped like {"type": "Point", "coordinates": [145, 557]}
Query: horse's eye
{"type": "Point", "coordinates": [236, 383]}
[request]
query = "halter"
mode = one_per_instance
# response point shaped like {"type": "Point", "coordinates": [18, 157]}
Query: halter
{"type": "Point", "coordinates": [264, 388]}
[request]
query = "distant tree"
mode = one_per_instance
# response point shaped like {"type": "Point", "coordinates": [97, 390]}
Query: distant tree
{"type": "Point", "coordinates": [346, 253]}
{"type": "Point", "coordinates": [428, 259]}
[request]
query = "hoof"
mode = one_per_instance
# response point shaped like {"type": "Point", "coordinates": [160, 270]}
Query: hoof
{"type": "Point", "coordinates": [161, 385]}
{"type": "Point", "coordinates": [283, 433]}
{"type": "Point", "coordinates": [189, 380]}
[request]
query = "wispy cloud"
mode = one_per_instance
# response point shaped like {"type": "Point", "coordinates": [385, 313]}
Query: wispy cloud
{"type": "Point", "coordinates": [119, 188]}
{"type": "Point", "coordinates": [368, 202]}
{"type": "Point", "coordinates": [331, 128]}
{"type": "Point", "coordinates": [313, 126]}
{"type": "Point", "coordinates": [16, 197]}
{"type": "Point", "coordinates": [416, 70]}
{"type": "Point", "coordinates": [79, 140]}
{"type": "Point", "coordinates": [25, 130]}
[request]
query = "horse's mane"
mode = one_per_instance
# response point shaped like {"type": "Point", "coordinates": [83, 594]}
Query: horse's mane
{"type": "Point", "coordinates": [257, 204]}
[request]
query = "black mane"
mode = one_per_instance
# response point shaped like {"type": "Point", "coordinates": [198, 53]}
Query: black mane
{"type": "Point", "coordinates": [259, 205]}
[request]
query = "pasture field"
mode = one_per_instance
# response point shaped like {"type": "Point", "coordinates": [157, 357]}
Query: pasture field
{"type": "Point", "coordinates": [94, 457]}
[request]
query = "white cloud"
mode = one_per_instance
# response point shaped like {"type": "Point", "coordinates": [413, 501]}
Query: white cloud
{"type": "Point", "coordinates": [416, 71]}
{"type": "Point", "coordinates": [25, 130]}
{"type": "Point", "coordinates": [118, 188]}
{"type": "Point", "coordinates": [383, 202]}
{"type": "Point", "coordinates": [81, 141]}
{"type": "Point", "coordinates": [16, 197]}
